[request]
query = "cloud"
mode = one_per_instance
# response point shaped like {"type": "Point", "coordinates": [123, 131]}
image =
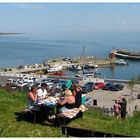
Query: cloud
{"type": "Point", "coordinates": [29, 6]}
{"type": "Point", "coordinates": [134, 6]}
{"type": "Point", "coordinates": [123, 22]}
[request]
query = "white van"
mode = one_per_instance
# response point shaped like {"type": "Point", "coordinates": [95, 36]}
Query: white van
{"type": "Point", "coordinates": [10, 81]}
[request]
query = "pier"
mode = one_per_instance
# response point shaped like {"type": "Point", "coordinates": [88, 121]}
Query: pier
{"type": "Point", "coordinates": [65, 64]}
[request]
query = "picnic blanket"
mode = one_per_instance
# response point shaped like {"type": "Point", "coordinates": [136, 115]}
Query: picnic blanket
{"type": "Point", "coordinates": [73, 112]}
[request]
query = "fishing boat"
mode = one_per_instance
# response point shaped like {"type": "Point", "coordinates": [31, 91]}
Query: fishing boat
{"type": "Point", "coordinates": [54, 69]}
{"type": "Point", "coordinates": [58, 73]}
{"type": "Point", "coordinates": [75, 68]}
{"type": "Point", "coordinates": [91, 65]}
{"type": "Point", "coordinates": [121, 62]}
{"type": "Point", "coordinates": [126, 54]}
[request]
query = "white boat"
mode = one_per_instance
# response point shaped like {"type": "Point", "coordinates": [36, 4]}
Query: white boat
{"type": "Point", "coordinates": [75, 68]}
{"type": "Point", "coordinates": [91, 65]}
{"type": "Point", "coordinates": [121, 62]}
{"type": "Point", "coordinates": [54, 69]}
{"type": "Point", "coordinates": [79, 68]}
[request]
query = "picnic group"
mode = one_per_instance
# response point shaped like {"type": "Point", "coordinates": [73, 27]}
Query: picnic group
{"type": "Point", "coordinates": [69, 104]}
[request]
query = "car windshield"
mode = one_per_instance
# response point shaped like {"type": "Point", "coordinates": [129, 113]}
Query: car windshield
{"type": "Point", "coordinates": [109, 84]}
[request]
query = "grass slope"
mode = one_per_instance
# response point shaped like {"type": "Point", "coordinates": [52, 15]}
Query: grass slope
{"type": "Point", "coordinates": [10, 127]}
{"type": "Point", "coordinates": [12, 102]}
{"type": "Point", "coordinates": [95, 121]}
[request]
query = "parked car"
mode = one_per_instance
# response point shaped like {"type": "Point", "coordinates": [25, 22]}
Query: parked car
{"type": "Point", "coordinates": [107, 86]}
{"type": "Point", "coordinates": [117, 87]}
{"type": "Point", "coordinates": [46, 80]}
{"type": "Point", "coordinates": [66, 59]}
{"type": "Point", "coordinates": [138, 96]}
{"type": "Point", "coordinates": [99, 85]}
{"type": "Point", "coordinates": [50, 85]}
{"type": "Point", "coordinates": [10, 81]}
{"type": "Point", "coordinates": [59, 85]}
{"type": "Point", "coordinates": [75, 81]}
{"type": "Point", "coordinates": [55, 81]}
{"type": "Point", "coordinates": [22, 84]}
{"type": "Point", "coordinates": [88, 87]}
{"type": "Point", "coordinates": [14, 83]}
{"type": "Point", "coordinates": [88, 101]}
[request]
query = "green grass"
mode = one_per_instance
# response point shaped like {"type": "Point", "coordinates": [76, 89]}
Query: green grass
{"type": "Point", "coordinates": [94, 120]}
{"type": "Point", "coordinates": [11, 102]}
{"type": "Point", "coordinates": [10, 127]}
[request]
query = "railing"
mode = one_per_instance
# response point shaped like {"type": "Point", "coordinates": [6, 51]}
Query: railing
{"type": "Point", "coordinates": [16, 74]}
{"type": "Point", "coordinates": [86, 79]}
{"type": "Point", "coordinates": [79, 132]}
{"type": "Point", "coordinates": [117, 81]}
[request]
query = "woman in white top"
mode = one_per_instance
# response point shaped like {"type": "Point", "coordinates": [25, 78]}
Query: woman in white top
{"type": "Point", "coordinates": [42, 92]}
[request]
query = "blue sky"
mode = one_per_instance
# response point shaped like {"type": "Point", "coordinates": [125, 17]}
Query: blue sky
{"type": "Point", "coordinates": [69, 17]}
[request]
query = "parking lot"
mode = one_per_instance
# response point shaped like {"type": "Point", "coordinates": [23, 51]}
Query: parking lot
{"type": "Point", "coordinates": [106, 98]}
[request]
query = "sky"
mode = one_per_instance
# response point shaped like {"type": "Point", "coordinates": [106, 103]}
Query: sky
{"type": "Point", "coordinates": [69, 17]}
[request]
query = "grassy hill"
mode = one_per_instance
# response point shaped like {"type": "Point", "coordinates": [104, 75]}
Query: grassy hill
{"type": "Point", "coordinates": [94, 120]}
{"type": "Point", "coordinates": [13, 102]}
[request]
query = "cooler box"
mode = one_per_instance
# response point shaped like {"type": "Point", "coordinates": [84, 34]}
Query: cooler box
{"type": "Point", "coordinates": [83, 99]}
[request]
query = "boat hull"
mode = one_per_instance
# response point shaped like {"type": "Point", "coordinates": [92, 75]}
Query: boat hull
{"type": "Point", "coordinates": [57, 73]}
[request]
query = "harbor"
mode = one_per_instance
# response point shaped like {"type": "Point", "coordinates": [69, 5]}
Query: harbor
{"type": "Point", "coordinates": [103, 98]}
{"type": "Point", "coordinates": [65, 64]}
{"type": "Point", "coordinates": [70, 70]}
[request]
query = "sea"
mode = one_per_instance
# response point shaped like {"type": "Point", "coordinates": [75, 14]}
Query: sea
{"type": "Point", "coordinates": [31, 48]}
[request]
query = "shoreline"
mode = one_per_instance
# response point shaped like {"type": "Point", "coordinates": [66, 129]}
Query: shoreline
{"type": "Point", "coordinates": [101, 62]}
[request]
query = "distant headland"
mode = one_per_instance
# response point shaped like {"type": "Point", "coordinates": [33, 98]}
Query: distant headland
{"type": "Point", "coordinates": [10, 33]}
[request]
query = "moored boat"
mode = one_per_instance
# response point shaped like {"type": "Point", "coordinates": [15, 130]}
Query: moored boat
{"type": "Point", "coordinates": [54, 69]}
{"type": "Point", "coordinates": [121, 62]}
{"type": "Point", "coordinates": [75, 68]}
{"type": "Point", "coordinates": [91, 65]}
{"type": "Point", "coordinates": [58, 73]}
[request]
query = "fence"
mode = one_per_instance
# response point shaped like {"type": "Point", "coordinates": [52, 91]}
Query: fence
{"type": "Point", "coordinates": [8, 74]}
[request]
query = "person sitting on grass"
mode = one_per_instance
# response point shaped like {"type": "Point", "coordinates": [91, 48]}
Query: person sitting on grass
{"type": "Point", "coordinates": [68, 102]}
{"type": "Point", "coordinates": [42, 92]}
{"type": "Point", "coordinates": [31, 98]}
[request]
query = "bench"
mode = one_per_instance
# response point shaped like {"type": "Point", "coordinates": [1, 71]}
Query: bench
{"type": "Point", "coordinates": [66, 117]}
{"type": "Point", "coordinates": [62, 120]}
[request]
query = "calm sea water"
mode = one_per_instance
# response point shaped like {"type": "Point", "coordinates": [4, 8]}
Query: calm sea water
{"type": "Point", "coordinates": [31, 48]}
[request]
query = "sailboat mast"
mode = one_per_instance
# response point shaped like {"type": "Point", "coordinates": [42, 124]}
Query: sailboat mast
{"type": "Point", "coordinates": [84, 57]}
{"type": "Point", "coordinates": [84, 48]}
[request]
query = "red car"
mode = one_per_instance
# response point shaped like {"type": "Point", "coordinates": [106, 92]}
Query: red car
{"type": "Point", "coordinates": [99, 85]}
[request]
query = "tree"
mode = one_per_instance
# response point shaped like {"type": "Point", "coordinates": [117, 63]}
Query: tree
{"type": "Point", "coordinates": [131, 84]}
{"type": "Point", "coordinates": [138, 79]}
